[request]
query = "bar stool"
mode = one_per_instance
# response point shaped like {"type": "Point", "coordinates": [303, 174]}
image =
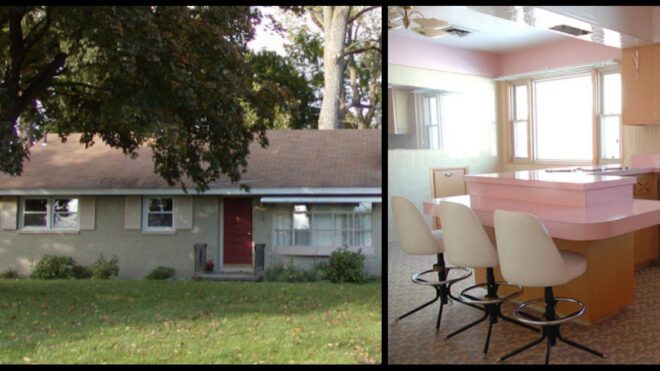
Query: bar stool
{"type": "Point", "coordinates": [529, 257]}
{"type": "Point", "coordinates": [416, 238]}
{"type": "Point", "coordinates": [467, 245]}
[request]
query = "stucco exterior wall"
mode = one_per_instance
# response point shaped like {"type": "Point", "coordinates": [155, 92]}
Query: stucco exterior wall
{"type": "Point", "coordinates": [139, 252]}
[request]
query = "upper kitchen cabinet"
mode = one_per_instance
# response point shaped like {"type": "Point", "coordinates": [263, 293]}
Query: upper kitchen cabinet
{"type": "Point", "coordinates": [640, 85]}
{"type": "Point", "coordinates": [399, 111]}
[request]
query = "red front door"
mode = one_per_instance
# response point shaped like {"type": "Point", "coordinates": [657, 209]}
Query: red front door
{"type": "Point", "coordinates": [237, 231]}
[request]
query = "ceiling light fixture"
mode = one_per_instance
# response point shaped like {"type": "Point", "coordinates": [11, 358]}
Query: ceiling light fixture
{"type": "Point", "coordinates": [400, 17]}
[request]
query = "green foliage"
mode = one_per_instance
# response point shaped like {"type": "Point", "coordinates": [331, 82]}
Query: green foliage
{"type": "Point", "coordinates": [161, 273]}
{"type": "Point", "coordinates": [54, 267]}
{"type": "Point", "coordinates": [9, 274]}
{"type": "Point", "coordinates": [346, 266]}
{"type": "Point", "coordinates": [295, 110]}
{"type": "Point", "coordinates": [172, 77]}
{"type": "Point", "coordinates": [81, 272]}
{"type": "Point", "coordinates": [289, 273]}
{"type": "Point", "coordinates": [103, 269]}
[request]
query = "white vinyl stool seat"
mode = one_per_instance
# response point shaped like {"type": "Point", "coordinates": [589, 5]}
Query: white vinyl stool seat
{"type": "Point", "coordinates": [530, 258]}
{"type": "Point", "coordinates": [416, 238]}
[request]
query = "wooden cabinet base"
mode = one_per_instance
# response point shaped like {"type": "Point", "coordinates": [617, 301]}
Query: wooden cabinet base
{"type": "Point", "coordinates": [607, 286]}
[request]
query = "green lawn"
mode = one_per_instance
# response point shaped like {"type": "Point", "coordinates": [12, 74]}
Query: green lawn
{"type": "Point", "coordinates": [88, 321]}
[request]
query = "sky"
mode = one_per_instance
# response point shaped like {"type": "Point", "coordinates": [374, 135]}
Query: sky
{"type": "Point", "coordinates": [265, 39]}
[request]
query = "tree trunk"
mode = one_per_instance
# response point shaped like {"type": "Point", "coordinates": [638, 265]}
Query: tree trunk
{"type": "Point", "coordinates": [335, 21]}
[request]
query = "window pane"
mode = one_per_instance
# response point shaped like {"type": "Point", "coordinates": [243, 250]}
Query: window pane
{"type": "Point", "coordinates": [160, 220]}
{"type": "Point", "coordinates": [433, 111]}
{"type": "Point", "coordinates": [65, 220]}
{"type": "Point", "coordinates": [301, 237]}
{"type": "Point", "coordinates": [564, 119]}
{"type": "Point", "coordinates": [363, 221]}
{"type": "Point", "coordinates": [609, 129]}
{"type": "Point", "coordinates": [322, 221]}
{"type": "Point", "coordinates": [344, 238]}
{"type": "Point", "coordinates": [611, 93]}
{"type": "Point", "coordinates": [434, 137]}
{"type": "Point", "coordinates": [36, 205]}
{"type": "Point", "coordinates": [283, 238]}
{"type": "Point", "coordinates": [363, 238]}
{"type": "Point", "coordinates": [160, 204]}
{"type": "Point", "coordinates": [300, 208]}
{"type": "Point", "coordinates": [322, 238]}
{"type": "Point", "coordinates": [300, 221]}
{"type": "Point", "coordinates": [520, 139]}
{"type": "Point", "coordinates": [283, 221]}
{"type": "Point", "coordinates": [363, 207]}
{"type": "Point", "coordinates": [520, 102]}
{"type": "Point", "coordinates": [66, 204]}
{"type": "Point", "coordinates": [343, 221]}
{"type": "Point", "coordinates": [35, 220]}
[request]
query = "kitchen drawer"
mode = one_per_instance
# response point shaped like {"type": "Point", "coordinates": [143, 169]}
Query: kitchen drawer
{"type": "Point", "coordinates": [447, 182]}
{"type": "Point", "coordinates": [645, 187]}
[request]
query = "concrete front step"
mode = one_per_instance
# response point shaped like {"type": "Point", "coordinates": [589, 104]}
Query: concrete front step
{"type": "Point", "coordinates": [229, 276]}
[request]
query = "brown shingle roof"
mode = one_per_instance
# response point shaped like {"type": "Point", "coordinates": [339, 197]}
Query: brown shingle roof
{"type": "Point", "coordinates": [294, 158]}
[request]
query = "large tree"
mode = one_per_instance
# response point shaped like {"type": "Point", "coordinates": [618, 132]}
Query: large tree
{"type": "Point", "coordinates": [174, 78]}
{"type": "Point", "coordinates": [340, 28]}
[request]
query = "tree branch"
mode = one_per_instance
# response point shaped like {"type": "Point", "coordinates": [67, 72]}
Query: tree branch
{"type": "Point", "coordinates": [35, 35]}
{"type": "Point", "coordinates": [40, 82]}
{"type": "Point", "coordinates": [359, 14]}
{"type": "Point", "coordinates": [315, 18]}
{"type": "Point", "coordinates": [361, 50]}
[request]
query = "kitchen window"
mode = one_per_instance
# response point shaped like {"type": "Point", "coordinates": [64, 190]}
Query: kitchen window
{"type": "Point", "coordinates": [49, 213]}
{"type": "Point", "coordinates": [552, 119]}
{"type": "Point", "coordinates": [331, 226]}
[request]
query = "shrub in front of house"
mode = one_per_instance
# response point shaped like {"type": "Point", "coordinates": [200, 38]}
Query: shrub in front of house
{"type": "Point", "coordinates": [54, 267]}
{"type": "Point", "coordinates": [9, 274]}
{"type": "Point", "coordinates": [288, 273]}
{"type": "Point", "coordinates": [103, 269]}
{"type": "Point", "coordinates": [81, 272]}
{"type": "Point", "coordinates": [161, 273]}
{"type": "Point", "coordinates": [346, 266]}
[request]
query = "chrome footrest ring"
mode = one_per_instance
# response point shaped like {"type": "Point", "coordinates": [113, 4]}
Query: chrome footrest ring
{"type": "Point", "coordinates": [420, 281]}
{"type": "Point", "coordinates": [520, 317]}
{"type": "Point", "coordinates": [486, 300]}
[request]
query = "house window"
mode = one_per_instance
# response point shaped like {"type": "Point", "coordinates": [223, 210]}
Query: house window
{"type": "Point", "coordinates": [323, 226]}
{"type": "Point", "coordinates": [560, 118]}
{"type": "Point", "coordinates": [159, 213]}
{"type": "Point", "coordinates": [50, 213]}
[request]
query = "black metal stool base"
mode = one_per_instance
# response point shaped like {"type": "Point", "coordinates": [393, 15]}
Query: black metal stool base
{"type": "Point", "coordinates": [550, 327]}
{"type": "Point", "coordinates": [441, 286]}
{"type": "Point", "coordinates": [491, 307]}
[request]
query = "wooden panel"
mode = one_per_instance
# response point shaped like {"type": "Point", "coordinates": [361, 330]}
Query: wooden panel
{"type": "Point", "coordinates": [403, 111]}
{"type": "Point", "coordinates": [646, 246]}
{"type": "Point", "coordinates": [8, 210]}
{"type": "Point", "coordinates": [605, 288]}
{"type": "Point", "coordinates": [637, 90]}
{"type": "Point", "coordinates": [447, 182]}
{"type": "Point", "coordinates": [87, 213]}
{"type": "Point", "coordinates": [237, 231]}
{"type": "Point", "coordinates": [645, 187]}
{"type": "Point", "coordinates": [133, 212]}
{"type": "Point", "coordinates": [183, 212]}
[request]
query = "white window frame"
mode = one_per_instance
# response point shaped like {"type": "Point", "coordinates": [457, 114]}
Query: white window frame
{"type": "Point", "coordinates": [601, 115]}
{"type": "Point", "coordinates": [334, 211]}
{"type": "Point", "coordinates": [531, 113]}
{"type": "Point", "coordinates": [513, 119]}
{"type": "Point", "coordinates": [146, 212]}
{"type": "Point", "coordinates": [426, 101]}
{"type": "Point", "coordinates": [50, 214]}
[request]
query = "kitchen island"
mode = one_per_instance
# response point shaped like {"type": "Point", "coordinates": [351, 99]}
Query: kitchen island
{"type": "Point", "coordinates": [591, 213]}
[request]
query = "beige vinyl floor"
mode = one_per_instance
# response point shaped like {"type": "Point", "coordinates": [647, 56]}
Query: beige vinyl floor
{"type": "Point", "coordinates": [630, 337]}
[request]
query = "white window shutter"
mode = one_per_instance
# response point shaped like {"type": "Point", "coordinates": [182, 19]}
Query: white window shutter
{"type": "Point", "coordinates": [87, 213]}
{"type": "Point", "coordinates": [183, 212]}
{"type": "Point", "coordinates": [133, 215]}
{"type": "Point", "coordinates": [8, 211]}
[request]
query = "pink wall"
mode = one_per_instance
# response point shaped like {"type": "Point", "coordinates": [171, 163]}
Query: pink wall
{"type": "Point", "coordinates": [558, 54]}
{"type": "Point", "coordinates": [421, 54]}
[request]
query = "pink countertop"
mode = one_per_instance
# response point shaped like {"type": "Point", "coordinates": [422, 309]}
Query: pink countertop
{"type": "Point", "coordinates": [565, 222]}
{"type": "Point", "coordinates": [579, 180]}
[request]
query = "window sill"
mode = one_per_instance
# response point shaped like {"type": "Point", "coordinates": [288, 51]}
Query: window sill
{"type": "Point", "coordinates": [318, 251]}
{"type": "Point", "coordinates": [159, 233]}
{"type": "Point", "coordinates": [47, 231]}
